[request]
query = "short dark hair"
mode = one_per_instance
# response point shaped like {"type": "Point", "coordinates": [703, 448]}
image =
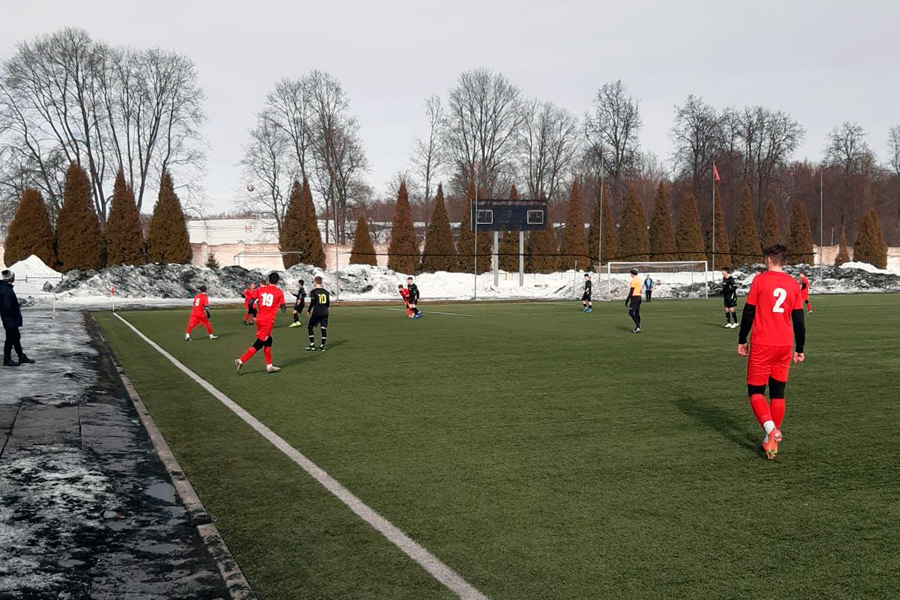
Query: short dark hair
{"type": "Point", "coordinates": [634, 271]}
{"type": "Point", "coordinates": [587, 274]}
{"type": "Point", "coordinates": [400, 286]}
{"type": "Point", "coordinates": [273, 278]}
{"type": "Point", "coordinates": [203, 288]}
{"type": "Point", "coordinates": [777, 253]}
{"type": "Point", "coordinates": [301, 282]}
{"type": "Point", "coordinates": [727, 269]}
{"type": "Point", "coordinates": [409, 278]}
{"type": "Point", "coordinates": [318, 280]}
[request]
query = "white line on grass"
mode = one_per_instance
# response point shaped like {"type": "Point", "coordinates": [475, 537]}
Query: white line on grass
{"type": "Point", "coordinates": [430, 312]}
{"type": "Point", "coordinates": [444, 574]}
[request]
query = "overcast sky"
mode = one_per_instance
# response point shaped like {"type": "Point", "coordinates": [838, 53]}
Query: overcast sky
{"type": "Point", "coordinates": [822, 61]}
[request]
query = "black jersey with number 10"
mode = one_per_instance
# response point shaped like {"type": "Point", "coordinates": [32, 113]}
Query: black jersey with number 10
{"type": "Point", "coordinates": [319, 301]}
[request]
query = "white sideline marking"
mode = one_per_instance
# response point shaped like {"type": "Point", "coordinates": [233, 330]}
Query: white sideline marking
{"type": "Point", "coordinates": [430, 312]}
{"type": "Point", "coordinates": [444, 574]}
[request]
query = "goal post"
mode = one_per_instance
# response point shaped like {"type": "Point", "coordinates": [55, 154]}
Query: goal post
{"type": "Point", "coordinates": [691, 277]}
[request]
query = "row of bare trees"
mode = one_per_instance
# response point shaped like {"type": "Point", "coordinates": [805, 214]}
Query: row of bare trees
{"type": "Point", "coordinates": [68, 98]}
{"type": "Point", "coordinates": [305, 131]}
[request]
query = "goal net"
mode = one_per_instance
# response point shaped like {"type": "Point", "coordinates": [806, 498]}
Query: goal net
{"type": "Point", "coordinates": [671, 279]}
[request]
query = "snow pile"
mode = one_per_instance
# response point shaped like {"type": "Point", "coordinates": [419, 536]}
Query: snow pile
{"type": "Point", "coordinates": [867, 268]}
{"type": "Point", "coordinates": [34, 268]}
{"type": "Point", "coordinates": [850, 278]}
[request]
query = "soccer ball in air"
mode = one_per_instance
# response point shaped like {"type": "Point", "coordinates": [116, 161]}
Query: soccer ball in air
{"type": "Point", "coordinates": [249, 187]}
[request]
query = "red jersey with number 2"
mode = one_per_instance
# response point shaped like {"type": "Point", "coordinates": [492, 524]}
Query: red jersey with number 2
{"type": "Point", "coordinates": [269, 299]}
{"type": "Point", "coordinates": [775, 294]}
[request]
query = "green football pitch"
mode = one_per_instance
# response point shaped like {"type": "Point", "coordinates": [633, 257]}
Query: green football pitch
{"type": "Point", "coordinates": [541, 452]}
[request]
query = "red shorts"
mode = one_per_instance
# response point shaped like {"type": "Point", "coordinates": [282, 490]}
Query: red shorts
{"type": "Point", "coordinates": [195, 321]}
{"type": "Point", "coordinates": [264, 330]}
{"type": "Point", "coordinates": [769, 361]}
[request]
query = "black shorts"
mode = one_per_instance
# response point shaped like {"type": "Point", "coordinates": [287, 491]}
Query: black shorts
{"type": "Point", "coordinates": [585, 297]}
{"type": "Point", "coordinates": [300, 305]}
{"type": "Point", "coordinates": [730, 302]}
{"type": "Point", "coordinates": [251, 311]}
{"type": "Point", "coordinates": [318, 320]}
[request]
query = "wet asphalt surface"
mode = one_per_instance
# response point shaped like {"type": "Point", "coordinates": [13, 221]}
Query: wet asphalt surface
{"type": "Point", "coordinates": [87, 509]}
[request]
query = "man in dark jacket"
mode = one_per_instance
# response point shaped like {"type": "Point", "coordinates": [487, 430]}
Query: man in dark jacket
{"type": "Point", "coordinates": [11, 315]}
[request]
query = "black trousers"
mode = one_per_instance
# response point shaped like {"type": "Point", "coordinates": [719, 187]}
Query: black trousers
{"type": "Point", "coordinates": [13, 340]}
{"type": "Point", "coordinates": [649, 293]}
{"type": "Point", "coordinates": [634, 310]}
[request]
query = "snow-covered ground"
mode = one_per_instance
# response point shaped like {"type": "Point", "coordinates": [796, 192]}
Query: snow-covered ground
{"type": "Point", "coordinates": [175, 285]}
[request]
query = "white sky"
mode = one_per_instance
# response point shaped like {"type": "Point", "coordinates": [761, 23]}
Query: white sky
{"type": "Point", "coordinates": [824, 61]}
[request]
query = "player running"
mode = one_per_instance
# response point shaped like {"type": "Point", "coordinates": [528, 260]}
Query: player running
{"type": "Point", "coordinates": [269, 298]}
{"type": "Point", "coordinates": [250, 304]}
{"type": "Point", "coordinates": [319, 301]}
{"type": "Point", "coordinates": [300, 303]}
{"type": "Point", "coordinates": [404, 293]}
{"type": "Point", "coordinates": [633, 300]}
{"type": "Point", "coordinates": [200, 315]}
{"type": "Point", "coordinates": [729, 297]}
{"type": "Point", "coordinates": [586, 304]}
{"type": "Point", "coordinates": [804, 291]}
{"type": "Point", "coordinates": [774, 311]}
{"type": "Point", "coordinates": [413, 298]}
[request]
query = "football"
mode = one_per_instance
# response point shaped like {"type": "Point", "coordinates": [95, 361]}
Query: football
{"type": "Point", "coordinates": [249, 187]}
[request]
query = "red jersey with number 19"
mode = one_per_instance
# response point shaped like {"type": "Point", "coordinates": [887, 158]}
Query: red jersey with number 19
{"type": "Point", "coordinates": [775, 294]}
{"type": "Point", "coordinates": [269, 299]}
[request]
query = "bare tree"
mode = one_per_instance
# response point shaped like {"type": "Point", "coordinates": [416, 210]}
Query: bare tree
{"type": "Point", "coordinates": [894, 166]}
{"type": "Point", "coordinates": [428, 154]}
{"type": "Point", "coordinates": [290, 109]}
{"type": "Point", "coordinates": [269, 168]}
{"type": "Point", "coordinates": [696, 134]}
{"type": "Point", "coordinates": [67, 98]}
{"type": "Point", "coordinates": [613, 129]}
{"type": "Point", "coordinates": [481, 128]}
{"type": "Point", "coordinates": [848, 150]}
{"type": "Point", "coordinates": [549, 145]}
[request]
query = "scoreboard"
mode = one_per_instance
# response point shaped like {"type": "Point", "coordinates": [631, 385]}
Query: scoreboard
{"type": "Point", "coordinates": [510, 215]}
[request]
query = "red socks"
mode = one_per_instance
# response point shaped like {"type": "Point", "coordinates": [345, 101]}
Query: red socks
{"type": "Point", "coordinates": [761, 409]}
{"type": "Point", "coordinates": [267, 351]}
{"type": "Point", "coordinates": [248, 354]}
{"type": "Point", "coordinates": [776, 407]}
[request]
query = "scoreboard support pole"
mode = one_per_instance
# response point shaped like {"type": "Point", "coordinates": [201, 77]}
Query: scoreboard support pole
{"type": "Point", "coordinates": [495, 258]}
{"type": "Point", "coordinates": [521, 258]}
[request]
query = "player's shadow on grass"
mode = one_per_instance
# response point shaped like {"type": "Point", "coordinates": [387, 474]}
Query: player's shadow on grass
{"type": "Point", "coordinates": [718, 419]}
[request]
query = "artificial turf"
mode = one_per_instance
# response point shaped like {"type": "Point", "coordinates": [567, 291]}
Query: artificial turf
{"type": "Point", "coordinates": [542, 452]}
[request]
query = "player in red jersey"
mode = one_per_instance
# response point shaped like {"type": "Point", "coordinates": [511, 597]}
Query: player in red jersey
{"type": "Point", "coordinates": [404, 293]}
{"type": "Point", "coordinates": [774, 311]}
{"type": "Point", "coordinates": [200, 315]}
{"type": "Point", "coordinates": [269, 298]}
{"type": "Point", "coordinates": [250, 304]}
{"type": "Point", "coordinates": [804, 290]}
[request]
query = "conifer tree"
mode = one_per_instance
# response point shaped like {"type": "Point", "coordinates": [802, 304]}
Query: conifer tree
{"type": "Point", "coordinates": [509, 243]}
{"type": "Point", "coordinates": [723, 248]}
{"type": "Point", "coordinates": [843, 255]}
{"type": "Point", "coordinates": [662, 237]}
{"type": "Point", "coordinates": [79, 239]}
{"type": "Point", "coordinates": [574, 248]}
{"type": "Point", "coordinates": [688, 235]}
{"type": "Point", "coordinates": [211, 261]}
{"type": "Point", "coordinates": [363, 251]}
{"type": "Point", "coordinates": [800, 242]}
{"type": "Point", "coordinates": [124, 234]}
{"type": "Point", "coordinates": [771, 229]}
{"type": "Point", "coordinates": [291, 236]}
{"type": "Point", "coordinates": [403, 251]}
{"type": "Point", "coordinates": [610, 250]}
{"type": "Point", "coordinates": [439, 254]}
{"type": "Point", "coordinates": [634, 241]}
{"type": "Point", "coordinates": [542, 251]}
{"type": "Point", "coordinates": [869, 246]}
{"type": "Point", "coordinates": [746, 248]}
{"type": "Point", "coordinates": [30, 231]}
{"type": "Point", "coordinates": [312, 251]}
{"type": "Point", "coordinates": [167, 240]}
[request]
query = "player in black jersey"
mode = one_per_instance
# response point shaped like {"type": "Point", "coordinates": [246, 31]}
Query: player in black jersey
{"type": "Point", "coordinates": [319, 301]}
{"type": "Point", "coordinates": [586, 296]}
{"type": "Point", "coordinates": [300, 295]}
{"type": "Point", "coordinates": [413, 298]}
{"type": "Point", "coordinates": [729, 296]}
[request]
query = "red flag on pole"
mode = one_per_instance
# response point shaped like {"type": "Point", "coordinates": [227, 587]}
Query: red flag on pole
{"type": "Point", "coordinates": [715, 173]}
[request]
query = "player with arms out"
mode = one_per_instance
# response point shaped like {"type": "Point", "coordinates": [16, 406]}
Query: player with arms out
{"type": "Point", "coordinates": [404, 293]}
{"type": "Point", "coordinates": [413, 298]}
{"type": "Point", "coordinates": [804, 291]}
{"type": "Point", "coordinates": [317, 315]}
{"type": "Point", "coordinates": [269, 299]}
{"type": "Point", "coordinates": [200, 315]}
{"type": "Point", "coordinates": [729, 297]}
{"type": "Point", "coordinates": [300, 303]}
{"type": "Point", "coordinates": [774, 311]}
{"type": "Point", "coordinates": [633, 300]}
{"type": "Point", "coordinates": [250, 304]}
{"type": "Point", "coordinates": [586, 304]}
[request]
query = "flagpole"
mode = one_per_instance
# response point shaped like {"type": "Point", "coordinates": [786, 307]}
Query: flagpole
{"type": "Point", "coordinates": [475, 242]}
{"type": "Point", "coordinates": [714, 218]}
{"type": "Point", "coordinates": [821, 219]}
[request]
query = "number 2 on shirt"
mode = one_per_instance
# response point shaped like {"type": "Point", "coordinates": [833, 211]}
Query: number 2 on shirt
{"type": "Point", "coordinates": [781, 295]}
{"type": "Point", "coordinates": [267, 299]}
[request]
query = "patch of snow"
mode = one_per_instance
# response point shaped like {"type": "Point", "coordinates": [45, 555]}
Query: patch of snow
{"type": "Point", "coordinates": [34, 268]}
{"type": "Point", "coordinates": [868, 268]}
